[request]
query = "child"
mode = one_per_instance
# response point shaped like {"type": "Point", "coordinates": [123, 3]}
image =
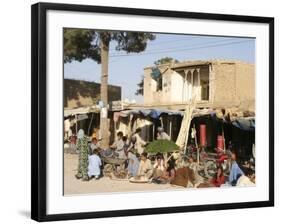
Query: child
{"type": "Point", "coordinates": [159, 167]}
{"type": "Point", "coordinates": [94, 145]}
{"type": "Point", "coordinates": [219, 178]}
{"type": "Point", "coordinates": [171, 170]}
{"type": "Point", "coordinates": [235, 171]}
{"type": "Point", "coordinates": [122, 152]}
{"type": "Point", "coordinates": [94, 168]}
{"type": "Point", "coordinates": [168, 174]}
{"type": "Point", "coordinates": [145, 167]}
{"type": "Point", "coordinates": [195, 167]}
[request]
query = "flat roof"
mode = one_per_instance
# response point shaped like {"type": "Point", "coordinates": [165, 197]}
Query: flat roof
{"type": "Point", "coordinates": [189, 63]}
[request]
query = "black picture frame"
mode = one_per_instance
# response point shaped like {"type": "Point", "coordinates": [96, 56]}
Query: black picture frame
{"type": "Point", "coordinates": [39, 122]}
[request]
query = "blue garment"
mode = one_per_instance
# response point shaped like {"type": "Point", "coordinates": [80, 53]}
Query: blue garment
{"type": "Point", "coordinates": [235, 173]}
{"type": "Point", "coordinates": [94, 165]}
{"type": "Point", "coordinates": [133, 164]}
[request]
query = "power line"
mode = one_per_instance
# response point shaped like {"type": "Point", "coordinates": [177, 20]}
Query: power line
{"type": "Point", "coordinates": [194, 48]}
{"type": "Point", "coordinates": [164, 42]}
{"type": "Point", "coordinates": [193, 44]}
{"type": "Point", "coordinates": [171, 41]}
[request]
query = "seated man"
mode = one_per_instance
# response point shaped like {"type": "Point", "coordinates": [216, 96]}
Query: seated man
{"type": "Point", "coordinates": [145, 167]}
{"type": "Point", "coordinates": [244, 181]}
{"type": "Point", "coordinates": [161, 134]}
{"type": "Point", "coordinates": [247, 179]}
{"type": "Point", "coordinates": [161, 174]}
{"type": "Point", "coordinates": [94, 167]}
{"type": "Point", "coordinates": [133, 164]}
{"type": "Point", "coordinates": [118, 145]}
{"type": "Point", "coordinates": [235, 171]}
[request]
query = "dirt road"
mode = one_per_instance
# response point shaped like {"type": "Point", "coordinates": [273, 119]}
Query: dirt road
{"type": "Point", "coordinates": [103, 185]}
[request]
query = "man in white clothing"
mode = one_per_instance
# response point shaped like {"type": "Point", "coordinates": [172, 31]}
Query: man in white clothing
{"type": "Point", "coordinates": [139, 142]}
{"type": "Point", "coordinates": [161, 134]}
{"type": "Point", "coordinates": [94, 167]}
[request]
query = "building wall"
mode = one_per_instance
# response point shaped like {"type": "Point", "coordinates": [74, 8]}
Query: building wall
{"type": "Point", "coordinates": [167, 86]}
{"type": "Point", "coordinates": [174, 91]}
{"type": "Point", "coordinates": [234, 82]}
{"type": "Point", "coordinates": [230, 83]}
{"type": "Point", "coordinates": [246, 91]}
{"type": "Point", "coordinates": [79, 93]}
{"type": "Point", "coordinates": [224, 82]}
{"type": "Point", "coordinates": [149, 86]}
{"type": "Point", "coordinates": [151, 95]}
{"type": "Point", "coordinates": [205, 82]}
{"type": "Point", "coordinates": [177, 87]}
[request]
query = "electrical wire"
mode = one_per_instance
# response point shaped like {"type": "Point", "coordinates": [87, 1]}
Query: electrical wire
{"type": "Point", "coordinates": [186, 49]}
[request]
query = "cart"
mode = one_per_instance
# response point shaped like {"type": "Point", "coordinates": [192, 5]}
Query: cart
{"type": "Point", "coordinates": [114, 167]}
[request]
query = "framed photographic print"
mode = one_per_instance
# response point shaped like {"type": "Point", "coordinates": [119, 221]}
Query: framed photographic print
{"type": "Point", "coordinates": [139, 111]}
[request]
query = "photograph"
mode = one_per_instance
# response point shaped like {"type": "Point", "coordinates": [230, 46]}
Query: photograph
{"type": "Point", "coordinates": [140, 112]}
{"type": "Point", "coordinates": [151, 111]}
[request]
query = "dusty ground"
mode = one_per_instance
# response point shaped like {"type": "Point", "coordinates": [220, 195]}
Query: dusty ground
{"type": "Point", "coordinates": [103, 185]}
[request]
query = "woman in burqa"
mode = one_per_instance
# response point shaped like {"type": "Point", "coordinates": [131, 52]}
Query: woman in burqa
{"type": "Point", "coordinates": [82, 147]}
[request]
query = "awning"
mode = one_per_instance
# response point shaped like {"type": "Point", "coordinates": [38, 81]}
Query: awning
{"type": "Point", "coordinates": [243, 123]}
{"type": "Point", "coordinates": [246, 124]}
{"type": "Point", "coordinates": [203, 112]}
{"type": "Point", "coordinates": [80, 110]}
{"type": "Point", "coordinates": [153, 113]}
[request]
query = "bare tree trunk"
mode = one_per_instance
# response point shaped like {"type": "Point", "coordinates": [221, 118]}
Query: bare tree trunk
{"type": "Point", "coordinates": [104, 127]}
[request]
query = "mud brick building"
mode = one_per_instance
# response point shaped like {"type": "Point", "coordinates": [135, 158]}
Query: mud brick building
{"type": "Point", "coordinates": [213, 83]}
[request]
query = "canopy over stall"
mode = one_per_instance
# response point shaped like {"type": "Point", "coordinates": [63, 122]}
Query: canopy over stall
{"type": "Point", "coordinates": [153, 113]}
{"type": "Point", "coordinates": [81, 114]}
{"type": "Point", "coordinates": [246, 124]}
{"type": "Point", "coordinates": [80, 110]}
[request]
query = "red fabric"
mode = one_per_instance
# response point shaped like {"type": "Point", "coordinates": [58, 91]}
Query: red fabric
{"type": "Point", "coordinates": [220, 142]}
{"type": "Point", "coordinates": [222, 158]}
{"type": "Point", "coordinates": [203, 135]}
{"type": "Point", "coordinates": [218, 181]}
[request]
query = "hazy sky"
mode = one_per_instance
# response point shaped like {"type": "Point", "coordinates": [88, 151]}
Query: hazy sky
{"type": "Point", "coordinates": [125, 70]}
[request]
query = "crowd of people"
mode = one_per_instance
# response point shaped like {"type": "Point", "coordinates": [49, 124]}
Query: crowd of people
{"type": "Point", "coordinates": [131, 150]}
{"type": "Point", "coordinates": [162, 170]}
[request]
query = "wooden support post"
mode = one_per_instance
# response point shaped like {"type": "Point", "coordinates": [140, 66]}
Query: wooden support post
{"type": "Point", "coordinates": [153, 131]}
{"type": "Point", "coordinates": [89, 127]}
{"type": "Point", "coordinates": [171, 129]}
{"type": "Point", "coordinates": [115, 134]}
{"type": "Point", "coordinates": [196, 144]}
{"type": "Point", "coordinates": [223, 139]}
{"type": "Point", "coordinates": [76, 125]}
